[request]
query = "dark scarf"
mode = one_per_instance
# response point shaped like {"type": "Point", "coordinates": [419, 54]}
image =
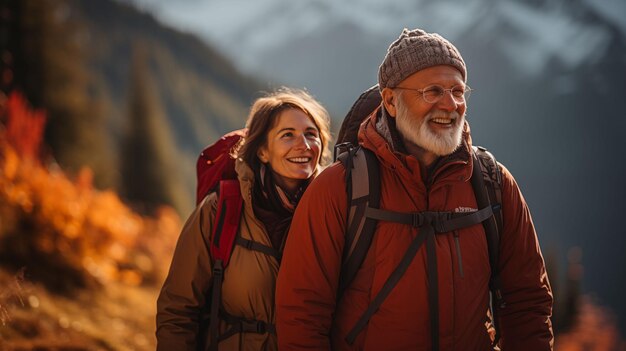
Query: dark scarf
{"type": "Point", "coordinates": [273, 211]}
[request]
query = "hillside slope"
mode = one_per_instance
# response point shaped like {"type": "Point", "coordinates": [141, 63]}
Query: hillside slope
{"type": "Point", "coordinates": [201, 93]}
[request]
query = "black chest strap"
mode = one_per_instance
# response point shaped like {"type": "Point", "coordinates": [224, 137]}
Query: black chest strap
{"type": "Point", "coordinates": [430, 224]}
{"type": "Point", "coordinates": [255, 246]}
{"type": "Point", "coordinates": [238, 325]}
{"type": "Point", "coordinates": [442, 222]}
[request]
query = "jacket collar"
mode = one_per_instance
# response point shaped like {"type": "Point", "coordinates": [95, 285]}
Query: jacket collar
{"type": "Point", "coordinates": [246, 178]}
{"type": "Point", "coordinates": [386, 127]}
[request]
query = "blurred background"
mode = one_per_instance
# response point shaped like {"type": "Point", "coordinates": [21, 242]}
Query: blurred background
{"type": "Point", "coordinates": [105, 105]}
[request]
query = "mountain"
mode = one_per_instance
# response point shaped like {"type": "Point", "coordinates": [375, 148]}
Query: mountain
{"type": "Point", "coordinates": [549, 92]}
{"type": "Point", "coordinates": [201, 92]}
{"type": "Point", "coordinates": [269, 32]}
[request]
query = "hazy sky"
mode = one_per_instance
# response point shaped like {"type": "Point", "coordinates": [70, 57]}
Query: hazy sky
{"type": "Point", "coordinates": [206, 17]}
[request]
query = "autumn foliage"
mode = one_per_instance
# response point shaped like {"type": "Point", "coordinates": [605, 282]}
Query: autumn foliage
{"type": "Point", "coordinates": [24, 126]}
{"type": "Point", "coordinates": [61, 229]}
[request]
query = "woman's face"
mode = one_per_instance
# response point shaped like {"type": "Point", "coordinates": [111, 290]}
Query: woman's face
{"type": "Point", "coordinates": [292, 148]}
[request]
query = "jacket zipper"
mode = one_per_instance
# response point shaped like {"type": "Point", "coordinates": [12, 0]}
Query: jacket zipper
{"type": "Point", "coordinates": [458, 252]}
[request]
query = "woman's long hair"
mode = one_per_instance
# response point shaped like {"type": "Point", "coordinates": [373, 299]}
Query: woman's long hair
{"type": "Point", "coordinates": [263, 116]}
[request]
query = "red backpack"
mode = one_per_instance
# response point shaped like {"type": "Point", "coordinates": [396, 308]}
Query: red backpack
{"type": "Point", "coordinates": [215, 164]}
{"type": "Point", "coordinates": [216, 173]}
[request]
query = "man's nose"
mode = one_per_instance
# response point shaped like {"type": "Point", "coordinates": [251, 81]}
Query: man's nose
{"type": "Point", "coordinates": [447, 102]}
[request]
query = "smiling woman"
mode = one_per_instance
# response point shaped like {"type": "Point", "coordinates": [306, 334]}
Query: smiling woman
{"type": "Point", "coordinates": [285, 147]}
{"type": "Point", "coordinates": [292, 149]}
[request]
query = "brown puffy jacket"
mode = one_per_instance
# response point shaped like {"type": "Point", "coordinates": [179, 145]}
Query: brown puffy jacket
{"type": "Point", "coordinates": [308, 315]}
{"type": "Point", "coordinates": [247, 291]}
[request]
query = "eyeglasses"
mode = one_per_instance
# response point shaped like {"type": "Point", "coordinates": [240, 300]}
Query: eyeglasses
{"type": "Point", "coordinates": [434, 93]}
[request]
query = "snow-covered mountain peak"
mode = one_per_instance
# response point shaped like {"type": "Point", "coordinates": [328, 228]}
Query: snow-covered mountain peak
{"type": "Point", "coordinates": [530, 34]}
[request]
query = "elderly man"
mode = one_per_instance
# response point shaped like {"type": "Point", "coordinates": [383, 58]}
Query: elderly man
{"type": "Point", "coordinates": [440, 295]}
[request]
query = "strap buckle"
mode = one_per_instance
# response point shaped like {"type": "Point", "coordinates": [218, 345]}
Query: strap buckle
{"type": "Point", "coordinates": [417, 219]}
{"type": "Point", "coordinates": [440, 220]}
{"type": "Point", "coordinates": [248, 244]}
{"type": "Point", "coordinates": [259, 327]}
{"type": "Point", "coordinates": [218, 270]}
{"type": "Point", "coordinates": [499, 299]}
{"type": "Point", "coordinates": [494, 285]}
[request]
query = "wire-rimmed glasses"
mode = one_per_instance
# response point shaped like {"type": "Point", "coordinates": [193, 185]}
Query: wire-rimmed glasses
{"type": "Point", "coordinates": [434, 93]}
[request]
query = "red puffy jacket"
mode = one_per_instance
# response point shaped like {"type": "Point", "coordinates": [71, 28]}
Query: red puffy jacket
{"type": "Point", "coordinates": [310, 317]}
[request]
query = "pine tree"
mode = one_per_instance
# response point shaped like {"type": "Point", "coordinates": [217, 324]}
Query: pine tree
{"type": "Point", "coordinates": [48, 47]}
{"type": "Point", "coordinates": [148, 151]}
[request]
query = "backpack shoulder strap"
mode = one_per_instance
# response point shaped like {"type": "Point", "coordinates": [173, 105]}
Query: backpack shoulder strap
{"type": "Point", "coordinates": [227, 217]}
{"type": "Point", "coordinates": [487, 184]}
{"type": "Point", "coordinates": [363, 190]}
{"type": "Point", "coordinates": [492, 176]}
{"type": "Point", "coordinates": [486, 181]}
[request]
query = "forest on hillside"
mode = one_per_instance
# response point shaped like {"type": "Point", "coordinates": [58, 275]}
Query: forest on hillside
{"type": "Point", "coordinates": [123, 94]}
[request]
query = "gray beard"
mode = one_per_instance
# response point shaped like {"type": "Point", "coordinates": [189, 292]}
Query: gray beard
{"type": "Point", "coordinates": [420, 134]}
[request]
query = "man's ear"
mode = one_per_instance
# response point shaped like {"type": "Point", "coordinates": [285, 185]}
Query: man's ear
{"type": "Point", "coordinates": [389, 101]}
{"type": "Point", "coordinates": [263, 154]}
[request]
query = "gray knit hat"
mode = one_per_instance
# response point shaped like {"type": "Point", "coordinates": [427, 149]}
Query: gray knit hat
{"type": "Point", "coordinates": [415, 50]}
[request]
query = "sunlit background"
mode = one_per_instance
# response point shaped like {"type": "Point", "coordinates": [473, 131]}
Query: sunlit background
{"type": "Point", "coordinates": [106, 104]}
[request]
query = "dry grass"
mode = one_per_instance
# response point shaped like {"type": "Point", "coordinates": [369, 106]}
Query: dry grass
{"type": "Point", "coordinates": [115, 317]}
{"type": "Point", "coordinates": [92, 266]}
{"type": "Point", "coordinates": [120, 317]}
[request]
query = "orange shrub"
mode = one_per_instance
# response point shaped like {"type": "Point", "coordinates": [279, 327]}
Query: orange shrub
{"type": "Point", "coordinates": [48, 217]}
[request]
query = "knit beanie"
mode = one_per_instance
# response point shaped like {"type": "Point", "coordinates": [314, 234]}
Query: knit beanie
{"type": "Point", "coordinates": [415, 50]}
